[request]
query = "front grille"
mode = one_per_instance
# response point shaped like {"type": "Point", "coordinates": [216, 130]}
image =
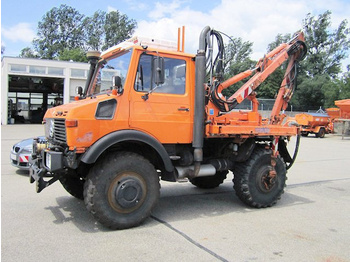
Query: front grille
{"type": "Point", "coordinates": [60, 131]}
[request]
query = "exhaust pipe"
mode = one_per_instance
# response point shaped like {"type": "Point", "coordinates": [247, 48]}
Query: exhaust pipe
{"type": "Point", "coordinates": [188, 172]}
{"type": "Point", "coordinates": [210, 169]}
{"type": "Point", "coordinates": [198, 123]}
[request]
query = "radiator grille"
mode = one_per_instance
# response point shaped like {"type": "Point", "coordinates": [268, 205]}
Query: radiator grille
{"type": "Point", "coordinates": [60, 131]}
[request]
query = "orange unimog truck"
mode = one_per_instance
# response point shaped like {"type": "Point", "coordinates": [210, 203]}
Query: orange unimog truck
{"type": "Point", "coordinates": [148, 113]}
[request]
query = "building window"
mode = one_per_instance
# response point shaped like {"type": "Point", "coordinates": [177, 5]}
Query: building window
{"type": "Point", "coordinates": [37, 70]}
{"type": "Point", "coordinates": [18, 68]}
{"type": "Point", "coordinates": [55, 71]}
{"type": "Point", "coordinates": [78, 73]}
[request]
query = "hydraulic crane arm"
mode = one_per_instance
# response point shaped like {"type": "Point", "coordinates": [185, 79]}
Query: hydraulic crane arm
{"type": "Point", "coordinates": [294, 50]}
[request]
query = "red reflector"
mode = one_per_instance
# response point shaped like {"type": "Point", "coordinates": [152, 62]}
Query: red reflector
{"type": "Point", "coordinates": [71, 123]}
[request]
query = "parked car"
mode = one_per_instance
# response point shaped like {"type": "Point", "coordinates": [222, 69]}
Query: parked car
{"type": "Point", "coordinates": [21, 152]}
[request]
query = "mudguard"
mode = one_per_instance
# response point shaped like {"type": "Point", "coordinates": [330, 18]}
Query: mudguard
{"type": "Point", "coordinates": [92, 154]}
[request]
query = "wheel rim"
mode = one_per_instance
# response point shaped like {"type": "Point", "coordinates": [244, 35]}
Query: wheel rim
{"type": "Point", "coordinates": [127, 192]}
{"type": "Point", "coordinates": [265, 182]}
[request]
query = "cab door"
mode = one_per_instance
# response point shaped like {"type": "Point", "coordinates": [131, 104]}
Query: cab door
{"type": "Point", "coordinates": [162, 110]}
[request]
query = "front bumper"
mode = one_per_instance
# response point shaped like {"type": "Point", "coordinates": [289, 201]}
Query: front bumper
{"type": "Point", "coordinates": [45, 163]}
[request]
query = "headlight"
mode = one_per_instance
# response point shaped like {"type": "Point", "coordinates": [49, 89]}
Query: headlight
{"type": "Point", "coordinates": [53, 161]}
{"type": "Point", "coordinates": [48, 161]}
{"type": "Point", "coordinates": [50, 128]}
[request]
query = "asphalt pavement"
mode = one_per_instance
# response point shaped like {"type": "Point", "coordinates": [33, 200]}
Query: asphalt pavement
{"type": "Point", "coordinates": [311, 222]}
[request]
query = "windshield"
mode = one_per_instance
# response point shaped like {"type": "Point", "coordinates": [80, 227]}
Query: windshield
{"type": "Point", "coordinates": [107, 70]}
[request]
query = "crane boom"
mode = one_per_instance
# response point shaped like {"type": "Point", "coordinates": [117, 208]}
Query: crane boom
{"type": "Point", "coordinates": [294, 50]}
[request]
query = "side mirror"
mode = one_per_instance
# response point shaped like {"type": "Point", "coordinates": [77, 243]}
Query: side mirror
{"type": "Point", "coordinates": [117, 84]}
{"type": "Point", "coordinates": [79, 90]}
{"type": "Point", "coordinates": [158, 70]}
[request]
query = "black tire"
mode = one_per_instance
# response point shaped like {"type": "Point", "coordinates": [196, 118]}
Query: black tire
{"type": "Point", "coordinates": [252, 182]}
{"type": "Point", "coordinates": [208, 182]}
{"type": "Point", "coordinates": [321, 133]}
{"type": "Point", "coordinates": [121, 190]}
{"type": "Point", "coordinates": [73, 185]}
{"type": "Point", "coordinates": [304, 133]}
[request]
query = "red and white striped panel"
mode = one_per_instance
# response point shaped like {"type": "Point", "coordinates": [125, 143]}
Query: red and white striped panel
{"type": "Point", "coordinates": [23, 159]}
{"type": "Point", "coordinates": [246, 92]}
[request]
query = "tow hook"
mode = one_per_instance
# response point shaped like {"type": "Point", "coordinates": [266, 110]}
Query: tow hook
{"type": "Point", "coordinates": [37, 174]}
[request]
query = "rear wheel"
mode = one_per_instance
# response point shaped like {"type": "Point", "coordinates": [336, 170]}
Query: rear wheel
{"type": "Point", "coordinates": [208, 182]}
{"type": "Point", "coordinates": [121, 190]}
{"type": "Point", "coordinates": [321, 133]}
{"type": "Point", "coordinates": [254, 184]}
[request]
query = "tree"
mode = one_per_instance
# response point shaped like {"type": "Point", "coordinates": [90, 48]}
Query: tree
{"type": "Point", "coordinates": [64, 28]}
{"type": "Point", "coordinates": [310, 93]}
{"type": "Point", "coordinates": [117, 28]}
{"type": "Point", "coordinates": [28, 52]}
{"type": "Point", "coordinates": [344, 90]}
{"type": "Point", "coordinates": [319, 73]}
{"type": "Point", "coordinates": [94, 30]}
{"type": "Point", "coordinates": [60, 28]}
{"type": "Point", "coordinates": [237, 60]}
{"type": "Point", "coordinates": [76, 55]}
{"type": "Point", "coordinates": [326, 49]}
{"type": "Point", "coordinates": [279, 39]}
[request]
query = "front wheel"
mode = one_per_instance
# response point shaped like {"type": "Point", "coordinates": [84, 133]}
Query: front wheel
{"type": "Point", "coordinates": [74, 185]}
{"type": "Point", "coordinates": [121, 190]}
{"type": "Point", "coordinates": [253, 181]}
{"type": "Point", "coordinates": [304, 133]}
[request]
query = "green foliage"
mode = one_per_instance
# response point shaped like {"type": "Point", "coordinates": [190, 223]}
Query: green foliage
{"type": "Point", "coordinates": [60, 28]}
{"type": "Point", "coordinates": [117, 28]}
{"type": "Point", "coordinates": [344, 86]}
{"type": "Point", "coordinates": [320, 72]}
{"type": "Point", "coordinates": [326, 49]}
{"type": "Point", "coordinates": [28, 52]}
{"type": "Point", "coordinates": [279, 39]}
{"type": "Point", "coordinates": [237, 60]}
{"type": "Point", "coordinates": [64, 28]}
{"type": "Point", "coordinates": [310, 93]}
{"type": "Point", "coordinates": [94, 30]}
{"type": "Point", "coordinates": [269, 88]}
{"type": "Point", "coordinates": [76, 55]}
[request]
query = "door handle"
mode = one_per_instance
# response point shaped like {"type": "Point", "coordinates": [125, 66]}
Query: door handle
{"type": "Point", "coordinates": [183, 109]}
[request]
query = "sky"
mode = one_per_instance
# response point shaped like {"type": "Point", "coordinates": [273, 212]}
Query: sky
{"type": "Point", "coordinates": [256, 21]}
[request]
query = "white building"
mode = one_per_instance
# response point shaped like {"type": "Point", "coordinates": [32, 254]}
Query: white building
{"type": "Point", "coordinates": [30, 86]}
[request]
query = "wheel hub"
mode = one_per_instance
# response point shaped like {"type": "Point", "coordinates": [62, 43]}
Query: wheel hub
{"type": "Point", "coordinates": [128, 193]}
{"type": "Point", "coordinates": [265, 181]}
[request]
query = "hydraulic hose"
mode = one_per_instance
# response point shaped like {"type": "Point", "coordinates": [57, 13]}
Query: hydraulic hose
{"type": "Point", "coordinates": [297, 143]}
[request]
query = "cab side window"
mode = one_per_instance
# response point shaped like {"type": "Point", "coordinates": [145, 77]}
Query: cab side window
{"type": "Point", "coordinates": [174, 72]}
